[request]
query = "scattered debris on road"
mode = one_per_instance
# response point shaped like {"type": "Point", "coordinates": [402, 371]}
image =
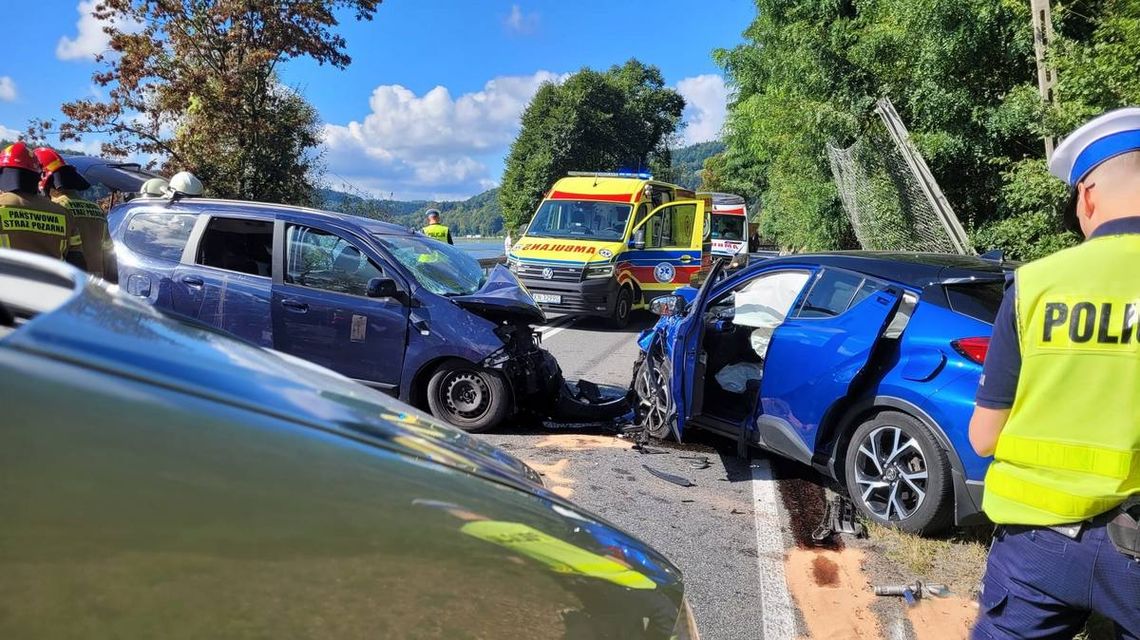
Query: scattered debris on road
{"type": "Point", "coordinates": [914, 592]}
{"type": "Point", "coordinates": [697, 462]}
{"type": "Point", "coordinates": [645, 450]}
{"type": "Point", "coordinates": [668, 477]}
{"type": "Point", "coordinates": [838, 517]}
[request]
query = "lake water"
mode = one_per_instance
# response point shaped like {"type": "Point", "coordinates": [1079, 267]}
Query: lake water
{"type": "Point", "coordinates": [481, 247]}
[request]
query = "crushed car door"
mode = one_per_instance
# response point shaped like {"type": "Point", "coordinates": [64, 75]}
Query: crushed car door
{"type": "Point", "coordinates": [321, 311]}
{"type": "Point", "coordinates": [816, 354]}
{"type": "Point", "coordinates": [666, 247]}
{"type": "Point", "coordinates": [683, 365]}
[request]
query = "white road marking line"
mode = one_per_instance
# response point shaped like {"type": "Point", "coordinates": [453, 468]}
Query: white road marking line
{"type": "Point", "coordinates": [898, 629]}
{"type": "Point", "coordinates": [776, 611]}
{"type": "Point", "coordinates": [554, 328]}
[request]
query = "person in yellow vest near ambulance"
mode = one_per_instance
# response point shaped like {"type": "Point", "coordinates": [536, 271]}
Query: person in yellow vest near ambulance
{"type": "Point", "coordinates": [61, 182]}
{"type": "Point", "coordinates": [29, 221]}
{"type": "Point", "coordinates": [1059, 409]}
{"type": "Point", "coordinates": [436, 230]}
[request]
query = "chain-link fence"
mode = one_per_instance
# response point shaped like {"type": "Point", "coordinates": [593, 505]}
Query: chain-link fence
{"type": "Point", "coordinates": [889, 194]}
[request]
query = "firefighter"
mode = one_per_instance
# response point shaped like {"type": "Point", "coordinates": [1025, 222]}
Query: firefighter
{"type": "Point", "coordinates": [29, 221]}
{"type": "Point", "coordinates": [436, 230]}
{"type": "Point", "coordinates": [1059, 409]}
{"type": "Point", "coordinates": [61, 182]}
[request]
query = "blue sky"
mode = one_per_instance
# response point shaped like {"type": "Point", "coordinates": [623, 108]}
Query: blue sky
{"type": "Point", "coordinates": [432, 99]}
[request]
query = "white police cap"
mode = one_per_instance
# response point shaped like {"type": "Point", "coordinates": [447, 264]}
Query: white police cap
{"type": "Point", "coordinates": [1100, 139]}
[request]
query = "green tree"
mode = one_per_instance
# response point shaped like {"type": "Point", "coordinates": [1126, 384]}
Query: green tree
{"type": "Point", "coordinates": [195, 83]}
{"type": "Point", "coordinates": [621, 118]}
{"type": "Point", "coordinates": [960, 72]}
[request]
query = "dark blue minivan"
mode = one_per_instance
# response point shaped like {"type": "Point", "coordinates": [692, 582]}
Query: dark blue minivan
{"type": "Point", "coordinates": [376, 302]}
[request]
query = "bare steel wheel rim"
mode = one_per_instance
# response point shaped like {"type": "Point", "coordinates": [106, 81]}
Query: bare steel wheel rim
{"type": "Point", "coordinates": [466, 394]}
{"type": "Point", "coordinates": [891, 473]}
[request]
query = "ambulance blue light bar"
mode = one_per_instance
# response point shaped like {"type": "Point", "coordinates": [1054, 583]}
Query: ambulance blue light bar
{"type": "Point", "coordinates": [603, 174]}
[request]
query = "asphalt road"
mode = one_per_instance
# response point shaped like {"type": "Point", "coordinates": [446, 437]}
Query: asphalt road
{"type": "Point", "coordinates": [725, 533]}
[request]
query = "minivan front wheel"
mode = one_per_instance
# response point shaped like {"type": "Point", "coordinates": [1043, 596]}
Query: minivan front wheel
{"type": "Point", "coordinates": [468, 397]}
{"type": "Point", "coordinates": [898, 475]}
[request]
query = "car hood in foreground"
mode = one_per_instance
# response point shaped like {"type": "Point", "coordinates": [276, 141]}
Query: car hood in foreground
{"type": "Point", "coordinates": [101, 329]}
{"type": "Point", "coordinates": [502, 297]}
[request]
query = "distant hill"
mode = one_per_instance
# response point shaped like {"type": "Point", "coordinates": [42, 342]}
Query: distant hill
{"type": "Point", "coordinates": [688, 162]}
{"type": "Point", "coordinates": [477, 215]}
{"type": "Point", "coordinates": [481, 214]}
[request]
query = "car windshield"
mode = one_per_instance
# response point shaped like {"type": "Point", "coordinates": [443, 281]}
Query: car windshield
{"type": "Point", "coordinates": [727, 227]}
{"type": "Point", "coordinates": [439, 267]}
{"type": "Point", "coordinates": [580, 219]}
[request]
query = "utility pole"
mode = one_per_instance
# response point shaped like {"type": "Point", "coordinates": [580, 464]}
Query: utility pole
{"type": "Point", "coordinates": [1046, 76]}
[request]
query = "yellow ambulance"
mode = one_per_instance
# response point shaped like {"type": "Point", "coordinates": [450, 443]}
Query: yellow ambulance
{"type": "Point", "coordinates": [604, 244]}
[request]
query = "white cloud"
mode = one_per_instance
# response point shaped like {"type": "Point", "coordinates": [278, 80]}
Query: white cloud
{"type": "Point", "coordinates": [9, 134]}
{"type": "Point", "coordinates": [7, 89]}
{"type": "Point", "coordinates": [706, 103]}
{"type": "Point", "coordinates": [90, 40]}
{"type": "Point", "coordinates": [431, 145]}
{"type": "Point", "coordinates": [519, 21]}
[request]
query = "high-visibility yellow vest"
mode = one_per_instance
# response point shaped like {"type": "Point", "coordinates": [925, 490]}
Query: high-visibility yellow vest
{"type": "Point", "coordinates": [437, 231]}
{"type": "Point", "coordinates": [1071, 447]}
{"type": "Point", "coordinates": [559, 555]}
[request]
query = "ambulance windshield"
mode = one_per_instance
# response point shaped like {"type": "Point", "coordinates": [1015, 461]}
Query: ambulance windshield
{"type": "Point", "coordinates": [727, 227]}
{"type": "Point", "coordinates": [580, 219]}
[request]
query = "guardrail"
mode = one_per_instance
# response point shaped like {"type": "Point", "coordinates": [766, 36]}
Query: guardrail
{"type": "Point", "coordinates": [489, 263]}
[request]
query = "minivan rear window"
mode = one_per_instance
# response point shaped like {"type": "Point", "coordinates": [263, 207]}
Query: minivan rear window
{"type": "Point", "coordinates": [979, 300]}
{"type": "Point", "coordinates": [159, 235]}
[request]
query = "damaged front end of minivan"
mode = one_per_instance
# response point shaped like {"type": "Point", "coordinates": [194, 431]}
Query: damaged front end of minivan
{"type": "Point", "coordinates": [537, 384]}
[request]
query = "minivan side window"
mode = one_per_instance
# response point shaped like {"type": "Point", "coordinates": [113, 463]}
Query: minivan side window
{"type": "Point", "coordinates": [237, 244]}
{"type": "Point", "coordinates": [321, 260]}
{"type": "Point", "coordinates": [835, 292]}
{"type": "Point", "coordinates": [159, 235]}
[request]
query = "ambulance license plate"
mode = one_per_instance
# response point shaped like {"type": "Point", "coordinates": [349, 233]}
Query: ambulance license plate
{"type": "Point", "coordinates": [548, 298]}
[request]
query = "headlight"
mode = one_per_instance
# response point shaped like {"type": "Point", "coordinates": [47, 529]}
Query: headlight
{"type": "Point", "coordinates": [686, 626]}
{"type": "Point", "coordinates": [603, 271]}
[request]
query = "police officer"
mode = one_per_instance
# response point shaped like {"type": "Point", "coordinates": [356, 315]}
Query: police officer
{"type": "Point", "coordinates": [29, 221]}
{"type": "Point", "coordinates": [1059, 409]}
{"type": "Point", "coordinates": [436, 230]}
{"type": "Point", "coordinates": [61, 182]}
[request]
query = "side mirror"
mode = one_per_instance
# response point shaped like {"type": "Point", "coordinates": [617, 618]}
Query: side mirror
{"type": "Point", "coordinates": [381, 288]}
{"type": "Point", "coordinates": [666, 306]}
{"type": "Point", "coordinates": [522, 229]}
{"type": "Point", "coordinates": [638, 239]}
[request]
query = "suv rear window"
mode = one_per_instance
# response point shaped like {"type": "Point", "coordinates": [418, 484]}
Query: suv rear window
{"type": "Point", "coordinates": [979, 300]}
{"type": "Point", "coordinates": [159, 235]}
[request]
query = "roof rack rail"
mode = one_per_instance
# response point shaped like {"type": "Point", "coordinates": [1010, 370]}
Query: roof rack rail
{"type": "Point", "coordinates": [611, 174]}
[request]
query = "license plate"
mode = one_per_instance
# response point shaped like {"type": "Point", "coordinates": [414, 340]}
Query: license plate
{"type": "Point", "coordinates": [548, 298]}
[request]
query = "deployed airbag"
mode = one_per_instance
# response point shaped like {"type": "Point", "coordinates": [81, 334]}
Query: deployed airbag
{"type": "Point", "coordinates": [734, 378]}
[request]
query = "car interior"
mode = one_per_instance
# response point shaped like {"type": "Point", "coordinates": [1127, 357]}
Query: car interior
{"type": "Point", "coordinates": [739, 325]}
{"type": "Point", "coordinates": [244, 246]}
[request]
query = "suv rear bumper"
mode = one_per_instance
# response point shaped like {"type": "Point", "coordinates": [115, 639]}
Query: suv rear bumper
{"type": "Point", "coordinates": [595, 297]}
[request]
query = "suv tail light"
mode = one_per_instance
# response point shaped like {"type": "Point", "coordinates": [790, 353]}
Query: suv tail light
{"type": "Point", "coordinates": [973, 348]}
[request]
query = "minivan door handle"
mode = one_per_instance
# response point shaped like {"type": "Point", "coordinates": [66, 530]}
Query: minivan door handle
{"type": "Point", "coordinates": [295, 305]}
{"type": "Point", "coordinates": [193, 281]}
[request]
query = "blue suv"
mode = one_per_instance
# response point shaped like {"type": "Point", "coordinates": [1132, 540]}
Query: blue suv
{"type": "Point", "coordinates": [862, 365]}
{"type": "Point", "coordinates": [378, 303]}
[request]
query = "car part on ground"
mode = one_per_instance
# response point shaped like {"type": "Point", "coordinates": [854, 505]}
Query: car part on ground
{"type": "Point", "coordinates": [838, 517]}
{"type": "Point", "coordinates": [914, 592]}
{"type": "Point", "coordinates": [195, 480]}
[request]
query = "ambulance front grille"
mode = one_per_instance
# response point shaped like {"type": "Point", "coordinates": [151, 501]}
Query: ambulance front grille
{"type": "Point", "coordinates": [557, 273]}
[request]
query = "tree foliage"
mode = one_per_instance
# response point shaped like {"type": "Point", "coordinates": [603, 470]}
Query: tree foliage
{"type": "Point", "coordinates": [622, 118]}
{"type": "Point", "coordinates": [195, 83]}
{"type": "Point", "coordinates": [962, 75]}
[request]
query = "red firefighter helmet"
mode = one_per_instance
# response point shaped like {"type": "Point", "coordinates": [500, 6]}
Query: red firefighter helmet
{"type": "Point", "coordinates": [49, 160]}
{"type": "Point", "coordinates": [17, 156]}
